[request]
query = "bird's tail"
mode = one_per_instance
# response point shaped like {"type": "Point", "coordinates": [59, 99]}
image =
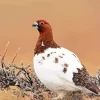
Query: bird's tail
{"type": "Point", "coordinates": [93, 88]}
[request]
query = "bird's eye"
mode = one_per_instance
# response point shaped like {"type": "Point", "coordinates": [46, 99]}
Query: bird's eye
{"type": "Point", "coordinates": [41, 23]}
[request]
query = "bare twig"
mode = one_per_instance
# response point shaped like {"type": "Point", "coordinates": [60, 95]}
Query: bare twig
{"type": "Point", "coordinates": [2, 60]}
{"type": "Point", "coordinates": [15, 55]}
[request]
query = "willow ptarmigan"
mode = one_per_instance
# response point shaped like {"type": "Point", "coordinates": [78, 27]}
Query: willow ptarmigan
{"type": "Point", "coordinates": [59, 69]}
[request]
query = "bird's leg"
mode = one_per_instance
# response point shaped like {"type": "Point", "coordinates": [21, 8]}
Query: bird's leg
{"type": "Point", "coordinates": [59, 97]}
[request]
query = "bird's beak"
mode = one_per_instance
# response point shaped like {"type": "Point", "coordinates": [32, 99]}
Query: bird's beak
{"type": "Point", "coordinates": [35, 25]}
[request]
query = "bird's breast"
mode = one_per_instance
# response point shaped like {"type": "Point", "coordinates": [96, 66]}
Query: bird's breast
{"type": "Point", "coordinates": [55, 68]}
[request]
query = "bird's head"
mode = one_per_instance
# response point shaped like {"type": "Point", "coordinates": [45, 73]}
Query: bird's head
{"type": "Point", "coordinates": [45, 39]}
{"type": "Point", "coordinates": [42, 26]}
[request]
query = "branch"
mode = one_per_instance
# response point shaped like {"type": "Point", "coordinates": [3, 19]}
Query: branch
{"type": "Point", "coordinates": [15, 55]}
{"type": "Point", "coordinates": [6, 49]}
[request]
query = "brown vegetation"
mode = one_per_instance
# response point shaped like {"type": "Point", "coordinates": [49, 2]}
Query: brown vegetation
{"type": "Point", "coordinates": [22, 82]}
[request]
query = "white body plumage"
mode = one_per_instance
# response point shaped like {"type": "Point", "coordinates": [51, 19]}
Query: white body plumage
{"type": "Point", "coordinates": [50, 72]}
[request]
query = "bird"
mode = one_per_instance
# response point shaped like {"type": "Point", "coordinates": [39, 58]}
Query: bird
{"type": "Point", "coordinates": [59, 69]}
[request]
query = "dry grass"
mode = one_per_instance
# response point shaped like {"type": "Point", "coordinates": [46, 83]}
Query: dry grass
{"type": "Point", "coordinates": [8, 95]}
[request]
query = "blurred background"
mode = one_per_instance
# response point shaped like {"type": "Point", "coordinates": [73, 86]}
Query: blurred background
{"type": "Point", "coordinates": [75, 23]}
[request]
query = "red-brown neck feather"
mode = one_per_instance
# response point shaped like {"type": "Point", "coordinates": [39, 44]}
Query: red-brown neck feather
{"type": "Point", "coordinates": [45, 41]}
